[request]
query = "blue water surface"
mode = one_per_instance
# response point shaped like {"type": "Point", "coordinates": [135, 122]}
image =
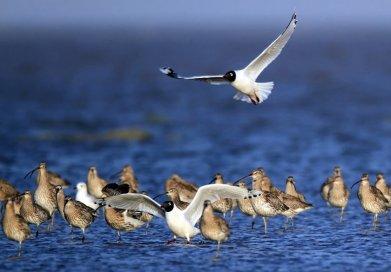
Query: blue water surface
{"type": "Point", "coordinates": [96, 97]}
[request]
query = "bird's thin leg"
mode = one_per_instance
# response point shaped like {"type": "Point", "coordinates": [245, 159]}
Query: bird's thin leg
{"type": "Point", "coordinates": [230, 217]}
{"type": "Point", "coordinates": [37, 232]}
{"type": "Point", "coordinates": [292, 224]}
{"type": "Point", "coordinates": [224, 215]}
{"type": "Point", "coordinates": [253, 222]}
{"type": "Point", "coordinates": [118, 237]}
{"type": "Point", "coordinates": [83, 237]}
{"type": "Point", "coordinates": [20, 249]}
{"type": "Point", "coordinates": [341, 215]}
{"type": "Point", "coordinates": [171, 240]}
{"type": "Point", "coordinates": [265, 223]}
{"type": "Point", "coordinates": [218, 246]}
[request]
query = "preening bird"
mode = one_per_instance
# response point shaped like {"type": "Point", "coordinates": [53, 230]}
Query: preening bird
{"type": "Point", "coordinates": [244, 80]}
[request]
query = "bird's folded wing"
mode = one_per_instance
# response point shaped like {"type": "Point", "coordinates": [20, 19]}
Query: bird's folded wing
{"type": "Point", "coordinates": [211, 79]}
{"type": "Point", "coordinates": [271, 52]}
{"type": "Point", "coordinates": [212, 193]}
{"type": "Point", "coordinates": [135, 202]}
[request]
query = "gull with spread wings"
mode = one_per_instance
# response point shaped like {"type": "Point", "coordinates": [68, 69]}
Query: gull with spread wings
{"type": "Point", "coordinates": [180, 222]}
{"type": "Point", "coordinates": [244, 80]}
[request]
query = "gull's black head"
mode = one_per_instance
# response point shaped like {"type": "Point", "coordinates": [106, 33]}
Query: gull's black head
{"type": "Point", "coordinates": [167, 206]}
{"type": "Point", "coordinates": [230, 76]}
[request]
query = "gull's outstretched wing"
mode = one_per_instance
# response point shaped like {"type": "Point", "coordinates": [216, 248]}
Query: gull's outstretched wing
{"type": "Point", "coordinates": [212, 193]}
{"type": "Point", "coordinates": [135, 202]}
{"type": "Point", "coordinates": [271, 52]}
{"type": "Point", "coordinates": [211, 79]}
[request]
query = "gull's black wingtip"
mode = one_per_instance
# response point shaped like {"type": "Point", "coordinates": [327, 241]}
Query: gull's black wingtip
{"type": "Point", "coordinates": [168, 71]}
{"type": "Point", "coordinates": [294, 17]}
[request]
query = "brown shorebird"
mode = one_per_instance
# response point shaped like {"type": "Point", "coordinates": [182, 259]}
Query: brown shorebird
{"type": "Point", "coordinates": [372, 199]}
{"type": "Point", "coordinates": [381, 184]}
{"type": "Point", "coordinates": [60, 197]}
{"type": "Point", "coordinates": [174, 196]}
{"type": "Point", "coordinates": [223, 205]}
{"type": "Point", "coordinates": [7, 190]}
{"type": "Point", "coordinates": [325, 187]}
{"type": "Point", "coordinates": [14, 226]}
{"type": "Point", "coordinates": [213, 227]}
{"type": "Point", "coordinates": [338, 194]}
{"type": "Point", "coordinates": [245, 205]}
{"type": "Point", "coordinates": [263, 197]}
{"type": "Point", "coordinates": [78, 215]}
{"type": "Point", "coordinates": [122, 220]}
{"type": "Point", "coordinates": [290, 189]}
{"type": "Point", "coordinates": [127, 176]}
{"type": "Point", "coordinates": [45, 194]}
{"type": "Point", "coordinates": [185, 189]}
{"type": "Point", "coordinates": [56, 179]}
{"type": "Point", "coordinates": [31, 212]}
{"type": "Point", "coordinates": [95, 184]}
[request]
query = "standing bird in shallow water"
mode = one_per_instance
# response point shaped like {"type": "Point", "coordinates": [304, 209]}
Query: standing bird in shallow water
{"type": "Point", "coordinates": [7, 190]}
{"type": "Point", "coordinates": [245, 205]}
{"type": "Point", "coordinates": [338, 194]}
{"type": "Point", "coordinates": [45, 194]}
{"type": "Point", "coordinates": [181, 223]}
{"type": "Point", "coordinates": [31, 212]}
{"type": "Point", "coordinates": [244, 80]}
{"type": "Point", "coordinates": [78, 215]}
{"type": "Point", "coordinates": [95, 184]}
{"type": "Point", "coordinates": [212, 226]}
{"type": "Point", "coordinates": [325, 187]}
{"type": "Point", "coordinates": [265, 203]}
{"type": "Point", "coordinates": [14, 226]}
{"type": "Point", "coordinates": [372, 199]}
{"type": "Point", "coordinates": [185, 189]}
{"type": "Point", "coordinates": [224, 205]}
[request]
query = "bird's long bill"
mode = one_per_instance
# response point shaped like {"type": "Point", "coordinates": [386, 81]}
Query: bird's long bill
{"type": "Point", "coordinates": [246, 176]}
{"type": "Point", "coordinates": [29, 174]}
{"type": "Point", "coordinates": [354, 184]}
{"type": "Point", "coordinates": [116, 174]}
{"type": "Point", "coordinates": [159, 195]}
{"type": "Point", "coordinates": [213, 180]}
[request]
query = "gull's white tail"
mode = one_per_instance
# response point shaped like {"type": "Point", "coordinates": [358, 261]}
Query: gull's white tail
{"type": "Point", "coordinates": [264, 90]}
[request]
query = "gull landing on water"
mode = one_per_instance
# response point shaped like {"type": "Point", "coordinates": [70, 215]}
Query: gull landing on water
{"type": "Point", "coordinates": [180, 222]}
{"type": "Point", "coordinates": [244, 80]}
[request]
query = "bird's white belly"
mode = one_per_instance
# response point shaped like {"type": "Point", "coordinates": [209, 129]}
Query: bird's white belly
{"type": "Point", "coordinates": [180, 226]}
{"type": "Point", "coordinates": [243, 83]}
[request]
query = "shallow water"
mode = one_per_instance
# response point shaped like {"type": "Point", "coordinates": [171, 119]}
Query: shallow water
{"type": "Point", "coordinates": [82, 99]}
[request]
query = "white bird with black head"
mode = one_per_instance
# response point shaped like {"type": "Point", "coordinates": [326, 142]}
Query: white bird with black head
{"type": "Point", "coordinates": [244, 80]}
{"type": "Point", "coordinates": [180, 222]}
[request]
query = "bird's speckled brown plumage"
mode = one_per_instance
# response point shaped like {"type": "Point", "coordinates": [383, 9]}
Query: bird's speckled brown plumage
{"type": "Point", "coordinates": [128, 177]}
{"type": "Point", "coordinates": [185, 189]}
{"type": "Point", "coordinates": [31, 212]}
{"type": "Point", "coordinates": [290, 189]}
{"type": "Point", "coordinates": [56, 179]}
{"type": "Point", "coordinates": [60, 196]}
{"type": "Point", "coordinates": [45, 194]}
{"type": "Point", "coordinates": [14, 226]}
{"type": "Point", "coordinates": [174, 196]}
{"type": "Point", "coordinates": [95, 184]}
{"type": "Point", "coordinates": [223, 205]}
{"type": "Point", "coordinates": [381, 184]}
{"type": "Point", "coordinates": [372, 199]}
{"type": "Point", "coordinates": [7, 190]}
{"type": "Point", "coordinates": [212, 226]}
{"type": "Point", "coordinates": [78, 215]}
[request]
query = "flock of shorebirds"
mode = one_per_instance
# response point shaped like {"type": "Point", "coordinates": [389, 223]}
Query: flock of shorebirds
{"type": "Point", "coordinates": [126, 208]}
